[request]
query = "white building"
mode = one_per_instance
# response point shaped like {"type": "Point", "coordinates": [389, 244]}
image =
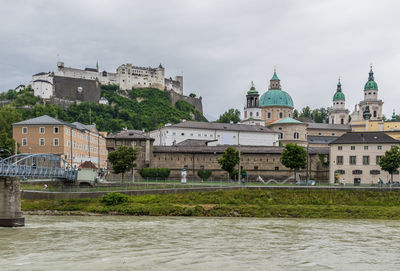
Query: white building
{"type": "Point", "coordinates": [103, 100]}
{"type": "Point", "coordinates": [42, 84]}
{"type": "Point", "coordinates": [223, 133]}
{"type": "Point", "coordinates": [354, 157]}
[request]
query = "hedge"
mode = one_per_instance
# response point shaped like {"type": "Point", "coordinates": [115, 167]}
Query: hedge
{"type": "Point", "coordinates": [161, 173]}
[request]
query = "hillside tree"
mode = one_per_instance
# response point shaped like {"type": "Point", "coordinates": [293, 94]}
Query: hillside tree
{"type": "Point", "coordinates": [232, 115]}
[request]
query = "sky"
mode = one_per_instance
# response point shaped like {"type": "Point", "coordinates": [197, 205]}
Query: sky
{"type": "Point", "coordinates": [219, 46]}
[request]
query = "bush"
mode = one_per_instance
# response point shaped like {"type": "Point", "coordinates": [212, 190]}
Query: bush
{"type": "Point", "coordinates": [114, 198]}
{"type": "Point", "coordinates": [162, 173]}
{"type": "Point", "coordinates": [204, 174]}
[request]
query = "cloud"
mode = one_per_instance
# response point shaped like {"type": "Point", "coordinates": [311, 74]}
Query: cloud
{"type": "Point", "coordinates": [220, 46]}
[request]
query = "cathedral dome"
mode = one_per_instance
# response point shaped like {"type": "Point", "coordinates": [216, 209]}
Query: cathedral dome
{"type": "Point", "coordinates": [371, 84]}
{"type": "Point", "coordinates": [339, 96]}
{"type": "Point", "coordinates": [252, 90]}
{"type": "Point", "coordinates": [276, 97]}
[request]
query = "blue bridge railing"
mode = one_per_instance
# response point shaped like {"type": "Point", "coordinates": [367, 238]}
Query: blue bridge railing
{"type": "Point", "coordinates": [37, 166]}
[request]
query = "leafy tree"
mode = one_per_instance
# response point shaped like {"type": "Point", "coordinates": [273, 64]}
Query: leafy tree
{"type": "Point", "coordinates": [295, 114]}
{"type": "Point", "coordinates": [390, 162]}
{"type": "Point", "coordinates": [123, 159]}
{"type": "Point", "coordinates": [192, 95]}
{"type": "Point", "coordinates": [294, 157]}
{"type": "Point", "coordinates": [7, 144]}
{"type": "Point", "coordinates": [230, 115]}
{"type": "Point", "coordinates": [320, 115]}
{"type": "Point", "coordinates": [8, 116]}
{"type": "Point", "coordinates": [204, 174]}
{"type": "Point", "coordinates": [306, 112]}
{"type": "Point", "coordinates": [229, 160]}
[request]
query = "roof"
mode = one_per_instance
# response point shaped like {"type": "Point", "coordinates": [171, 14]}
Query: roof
{"type": "Point", "coordinates": [371, 84]}
{"type": "Point", "coordinates": [129, 134]}
{"type": "Point", "coordinates": [275, 77]}
{"type": "Point", "coordinates": [44, 81]}
{"type": "Point", "coordinates": [365, 137]}
{"type": "Point", "coordinates": [287, 120]}
{"type": "Point", "coordinates": [195, 142]}
{"type": "Point", "coordinates": [81, 126]}
{"type": "Point", "coordinates": [87, 164]}
{"type": "Point", "coordinates": [276, 97]}
{"type": "Point", "coordinates": [91, 69]}
{"type": "Point", "coordinates": [321, 139]}
{"type": "Point", "coordinates": [40, 73]}
{"type": "Point", "coordinates": [221, 148]}
{"type": "Point", "coordinates": [223, 126]}
{"type": "Point", "coordinates": [327, 126]}
{"type": "Point", "coordinates": [42, 120]}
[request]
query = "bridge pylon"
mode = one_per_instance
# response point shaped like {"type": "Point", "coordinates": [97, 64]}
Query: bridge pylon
{"type": "Point", "coordinates": [10, 203]}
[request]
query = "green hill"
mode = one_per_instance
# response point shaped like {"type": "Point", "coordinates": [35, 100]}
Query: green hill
{"type": "Point", "coordinates": [137, 109]}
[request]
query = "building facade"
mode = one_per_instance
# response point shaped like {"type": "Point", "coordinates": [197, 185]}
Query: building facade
{"type": "Point", "coordinates": [74, 142]}
{"type": "Point", "coordinates": [354, 157]}
{"type": "Point", "coordinates": [223, 133]}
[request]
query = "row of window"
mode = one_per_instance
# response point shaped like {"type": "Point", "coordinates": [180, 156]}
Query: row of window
{"type": "Point", "coordinates": [41, 130]}
{"type": "Point", "coordinates": [353, 148]}
{"type": "Point", "coordinates": [353, 160]}
{"type": "Point", "coordinates": [186, 167]}
{"type": "Point", "coordinates": [296, 135]}
{"type": "Point", "coordinates": [56, 142]}
{"type": "Point", "coordinates": [359, 172]}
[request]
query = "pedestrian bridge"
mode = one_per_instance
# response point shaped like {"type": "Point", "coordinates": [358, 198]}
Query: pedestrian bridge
{"type": "Point", "coordinates": [44, 166]}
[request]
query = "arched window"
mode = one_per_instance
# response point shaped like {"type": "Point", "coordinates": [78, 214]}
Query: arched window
{"type": "Point", "coordinates": [342, 121]}
{"type": "Point", "coordinates": [333, 121]}
{"type": "Point", "coordinates": [269, 115]}
{"type": "Point", "coordinates": [280, 135]}
{"type": "Point", "coordinates": [280, 115]}
{"type": "Point", "coordinates": [296, 135]}
{"type": "Point", "coordinates": [374, 114]}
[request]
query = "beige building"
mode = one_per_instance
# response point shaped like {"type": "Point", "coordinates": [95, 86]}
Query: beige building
{"type": "Point", "coordinates": [290, 131]}
{"type": "Point", "coordinates": [355, 157]}
{"type": "Point", "coordinates": [136, 139]}
{"type": "Point", "coordinates": [74, 142]}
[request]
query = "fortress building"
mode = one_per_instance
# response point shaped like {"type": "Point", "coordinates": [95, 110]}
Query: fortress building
{"type": "Point", "coordinates": [338, 114]}
{"type": "Point", "coordinates": [79, 82]}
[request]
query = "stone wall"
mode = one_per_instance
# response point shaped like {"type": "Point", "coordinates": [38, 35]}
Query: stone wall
{"type": "Point", "coordinates": [196, 102]}
{"type": "Point", "coordinates": [10, 203]}
{"type": "Point", "coordinates": [77, 89]}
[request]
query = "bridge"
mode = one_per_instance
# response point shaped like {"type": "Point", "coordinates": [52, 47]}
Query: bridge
{"type": "Point", "coordinates": [44, 166]}
{"type": "Point", "coordinates": [21, 166]}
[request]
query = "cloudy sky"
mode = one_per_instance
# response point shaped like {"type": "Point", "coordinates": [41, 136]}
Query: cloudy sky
{"type": "Point", "coordinates": [218, 45]}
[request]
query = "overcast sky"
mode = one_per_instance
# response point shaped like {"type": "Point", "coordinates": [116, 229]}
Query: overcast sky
{"type": "Point", "coordinates": [219, 46]}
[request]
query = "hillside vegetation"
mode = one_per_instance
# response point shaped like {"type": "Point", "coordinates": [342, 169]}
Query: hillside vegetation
{"type": "Point", "coordinates": [136, 109]}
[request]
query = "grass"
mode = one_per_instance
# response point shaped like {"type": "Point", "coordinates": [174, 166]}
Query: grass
{"type": "Point", "coordinates": [243, 203]}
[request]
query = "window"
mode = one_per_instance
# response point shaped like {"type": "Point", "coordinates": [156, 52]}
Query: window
{"type": "Point", "coordinates": [296, 135]}
{"type": "Point", "coordinates": [333, 134]}
{"type": "Point", "coordinates": [41, 141]}
{"type": "Point", "coordinates": [199, 134]}
{"type": "Point", "coordinates": [353, 148]}
{"type": "Point", "coordinates": [269, 115]}
{"type": "Point", "coordinates": [55, 142]}
{"type": "Point", "coordinates": [24, 142]}
{"type": "Point", "coordinates": [340, 171]}
{"type": "Point", "coordinates": [366, 160]}
{"type": "Point", "coordinates": [374, 172]}
{"type": "Point", "coordinates": [339, 160]}
{"type": "Point", "coordinates": [191, 134]}
{"type": "Point", "coordinates": [276, 168]}
{"type": "Point", "coordinates": [251, 114]}
{"type": "Point", "coordinates": [365, 148]}
{"type": "Point", "coordinates": [374, 114]}
{"type": "Point", "coordinates": [378, 158]}
{"type": "Point", "coordinates": [201, 167]}
{"type": "Point", "coordinates": [280, 135]}
{"type": "Point", "coordinates": [255, 167]}
{"type": "Point", "coordinates": [183, 134]}
{"type": "Point", "coordinates": [280, 115]}
{"type": "Point", "coordinates": [257, 114]}
{"type": "Point", "coordinates": [353, 160]}
{"type": "Point", "coordinates": [379, 147]}
{"type": "Point", "coordinates": [339, 148]}
{"type": "Point", "coordinates": [41, 130]}
{"type": "Point", "coordinates": [55, 130]}
{"type": "Point", "coordinates": [24, 130]}
{"type": "Point", "coordinates": [185, 167]}
{"type": "Point", "coordinates": [357, 171]}
{"type": "Point", "coordinates": [341, 121]}
{"type": "Point", "coordinates": [173, 133]}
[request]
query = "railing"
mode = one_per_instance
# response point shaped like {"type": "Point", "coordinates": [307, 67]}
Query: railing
{"type": "Point", "coordinates": [37, 166]}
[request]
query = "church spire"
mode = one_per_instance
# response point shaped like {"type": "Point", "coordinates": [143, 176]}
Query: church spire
{"type": "Point", "coordinates": [371, 74]}
{"type": "Point", "coordinates": [275, 81]}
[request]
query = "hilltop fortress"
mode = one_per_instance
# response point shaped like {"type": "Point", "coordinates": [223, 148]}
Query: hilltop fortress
{"type": "Point", "coordinates": [74, 84]}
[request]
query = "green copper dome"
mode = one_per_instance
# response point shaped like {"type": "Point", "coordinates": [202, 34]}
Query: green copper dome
{"type": "Point", "coordinates": [339, 96]}
{"type": "Point", "coordinates": [371, 84]}
{"type": "Point", "coordinates": [252, 90]}
{"type": "Point", "coordinates": [276, 97]}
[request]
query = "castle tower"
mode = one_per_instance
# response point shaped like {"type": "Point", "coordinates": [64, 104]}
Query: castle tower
{"type": "Point", "coordinates": [338, 114]}
{"type": "Point", "coordinates": [371, 98]}
{"type": "Point", "coordinates": [252, 110]}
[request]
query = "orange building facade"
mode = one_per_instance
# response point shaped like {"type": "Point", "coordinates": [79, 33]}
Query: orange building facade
{"type": "Point", "coordinates": [74, 142]}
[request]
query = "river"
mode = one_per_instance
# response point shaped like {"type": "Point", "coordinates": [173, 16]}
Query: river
{"type": "Point", "coordinates": [186, 243]}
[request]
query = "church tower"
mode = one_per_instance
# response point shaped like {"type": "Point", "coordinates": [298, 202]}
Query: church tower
{"type": "Point", "coordinates": [252, 109]}
{"type": "Point", "coordinates": [338, 114]}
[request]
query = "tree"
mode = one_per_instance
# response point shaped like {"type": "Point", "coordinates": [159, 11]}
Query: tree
{"type": "Point", "coordinates": [123, 159]}
{"type": "Point", "coordinates": [192, 95]}
{"type": "Point", "coordinates": [294, 157]}
{"type": "Point", "coordinates": [7, 145]}
{"type": "Point", "coordinates": [306, 112]}
{"type": "Point", "coordinates": [204, 174]}
{"type": "Point", "coordinates": [390, 162]}
{"type": "Point", "coordinates": [229, 160]}
{"type": "Point", "coordinates": [8, 116]}
{"type": "Point", "coordinates": [230, 115]}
